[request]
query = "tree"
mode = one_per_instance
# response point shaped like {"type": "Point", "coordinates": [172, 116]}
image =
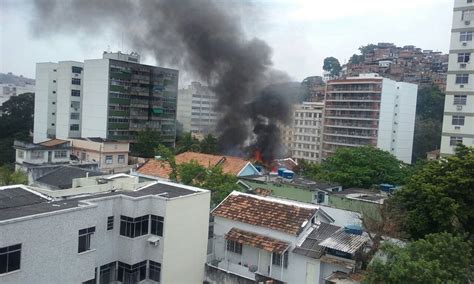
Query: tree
{"type": "Point", "coordinates": [8, 176]}
{"type": "Point", "coordinates": [439, 197]}
{"type": "Point", "coordinates": [209, 145]}
{"type": "Point", "coordinates": [363, 167]}
{"type": "Point", "coordinates": [356, 59]}
{"type": "Point", "coordinates": [332, 65]}
{"type": "Point", "coordinates": [187, 143]}
{"type": "Point", "coordinates": [366, 49]}
{"type": "Point", "coordinates": [147, 141]}
{"type": "Point", "coordinates": [308, 169]}
{"type": "Point", "coordinates": [440, 258]}
{"type": "Point", "coordinates": [16, 122]}
{"type": "Point", "coordinates": [190, 172]}
{"type": "Point", "coordinates": [428, 123]}
{"type": "Point", "coordinates": [167, 156]}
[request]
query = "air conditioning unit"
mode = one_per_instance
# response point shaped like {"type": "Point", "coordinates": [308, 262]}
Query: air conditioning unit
{"type": "Point", "coordinates": [154, 240]}
{"type": "Point", "coordinates": [464, 44]}
{"type": "Point", "coordinates": [459, 108]}
{"type": "Point", "coordinates": [457, 127]}
{"type": "Point", "coordinates": [467, 23]}
{"type": "Point", "coordinates": [462, 65]}
{"type": "Point", "coordinates": [461, 86]}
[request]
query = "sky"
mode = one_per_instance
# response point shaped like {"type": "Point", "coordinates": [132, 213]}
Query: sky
{"type": "Point", "coordinates": [301, 32]}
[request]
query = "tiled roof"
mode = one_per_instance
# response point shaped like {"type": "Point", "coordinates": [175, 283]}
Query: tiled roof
{"type": "Point", "coordinates": [262, 191]}
{"type": "Point", "coordinates": [256, 240]}
{"type": "Point", "coordinates": [265, 212]}
{"type": "Point", "coordinates": [230, 165]}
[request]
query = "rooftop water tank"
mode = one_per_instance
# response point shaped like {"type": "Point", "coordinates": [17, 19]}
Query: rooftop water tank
{"type": "Point", "coordinates": [287, 174]}
{"type": "Point", "coordinates": [280, 171]}
{"type": "Point", "coordinates": [353, 229]}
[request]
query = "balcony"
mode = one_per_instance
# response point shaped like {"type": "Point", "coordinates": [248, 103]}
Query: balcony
{"type": "Point", "coordinates": [337, 124]}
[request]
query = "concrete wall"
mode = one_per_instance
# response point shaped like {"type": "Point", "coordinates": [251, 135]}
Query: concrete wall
{"type": "Point", "coordinates": [97, 151]}
{"type": "Point", "coordinates": [95, 99]}
{"type": "Point", "coordinates": [44, 98]}
{"type": "Point", "coordinates": [404, 129]}
{"type": "Point", "coordinates": [340, 202]}
{"type": "Point", "coordinates": [387, 110]}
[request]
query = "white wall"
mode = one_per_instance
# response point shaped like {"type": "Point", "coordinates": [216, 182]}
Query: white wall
{"type": "Point", "coordinates": [44, 98]}
{"type": "Point", "coordinates": [407, 98]}
{"type": "Point", "coordinates": [95, 98]}
{"type": "Point", "coordinates": [386, 117]}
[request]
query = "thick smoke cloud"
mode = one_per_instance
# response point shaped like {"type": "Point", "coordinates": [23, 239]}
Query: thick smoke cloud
{"type": "Point", "coordinates": [201, 37]}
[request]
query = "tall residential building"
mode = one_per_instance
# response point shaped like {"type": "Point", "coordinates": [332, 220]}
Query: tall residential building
{"type": "Point", "coordinates": [196, 109]}
{"type": "Point", "coordinates": [303, 137]}
{"type": "Point", "coordinates": [112, 98]}
{"type": "Point", "coordinates": [370, 110]}
{"type": "Point", "coordinates": [458, 122]}
{"type": "Point", "coordinates": [58, 100]}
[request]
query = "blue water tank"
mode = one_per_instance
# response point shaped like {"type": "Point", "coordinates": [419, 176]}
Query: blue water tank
{"type": "Point", "coordinates": [280, 171]}
{"type": "Point", "coordinates": [385, 187]}
{"type": "Point", "coordinates": [353, 229]}
{"type": "Point", "coordinates": [287, 174]}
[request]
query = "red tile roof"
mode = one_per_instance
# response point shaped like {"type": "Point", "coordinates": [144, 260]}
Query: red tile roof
{"type": "Point", "coordinates": [264, 212]}
{"type": "Point", "coordinates": [256, 240]}
{"type": "Point", "coordinates": [230, 165]}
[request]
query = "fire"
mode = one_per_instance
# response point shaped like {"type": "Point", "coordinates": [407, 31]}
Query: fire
{"type": "Point", "coordinates": [257, 156]}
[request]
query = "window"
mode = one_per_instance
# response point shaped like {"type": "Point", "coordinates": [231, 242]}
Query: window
{"type": "Point", "coordinates": [37, 155]}
{"type": "Point", "coordinates": [75, 105]}
{"type": "Point", "coordinates": [109, 159]}
{"type": "Point", "coordinates": [131, 273]}
{"type": "Point", "coordinates": [234, 246]}
{"type": "Point", "coordinates": [469, 1]}
{"type": "Point", "coordinates": [10, 258]}
{"type": "Point", "coordinates": [74, 127]}
{"type": "Point", "coordinates": [277, 258]}
{"type": "Point", "coordinates": [458, 120]}
{"type": "Point", "coordinates": [20, 154]}
{"type": "Point", "coordinates": [74, 115]}
{"type": "Point", "coordinates": [84, 243]}
{"type": "Point", "coordinates": [75, 93]}
{"type": "Point", "coordinates": [76, 81]}
{"type": "Point", "coordinates": [320, 196]}
{"type": "Point", "coordinates": [53, 113]}
{"type": "Point", "coordinates": [157, 225]}
{"type": "Point", "coordinates": [76, 69]}
{"type": "Point", "coordinates": [455, 140]}
{"type": "Point", "coordinates": [463, 57]}
{"type": "Point", "coordinates": [121, 159]}
{"type": "Point", "coordinates": [467, 15]}
{"type": "Point", "coordinates": [462, 78]}
{"type": "Point", "coordinates": [54, 81]}
{"type": "Point", "coordinates": [155, 271]}
{"type": "Point", "coordinates": [60, 154]}
{"type": "Point", "coordinates": [465, 36]}
{"type": "Point", "coordinates": [110, 223]}
{"type": "Point", "coordinates": [108, 273]}
{"type": "Point", "coordinates": [460, 100]}
{"type": "Point", "coordinates": [133, 227]}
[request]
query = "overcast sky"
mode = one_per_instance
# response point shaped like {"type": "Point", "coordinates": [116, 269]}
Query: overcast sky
{"type": "Point", "coordinates": [301, 32]}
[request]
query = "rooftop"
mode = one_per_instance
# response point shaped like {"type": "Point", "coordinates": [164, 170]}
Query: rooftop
{"type": "Point", "coordinates": [32, 205]}
{"type": "Point", "coordinates": [363, 194]}
{"type": "Point", "coordinates": [43, 145]}
{"type": "Point", "coordinates": [345, 242]}
{"type": "Point", "coordinates": [281, 215]}
{"type": "Point", "coordinates": [256, 240]}
{"type": "Point", "coordinates": [297, 181]}
{"type": "Point", "coordinates": [230, 165]}
{"type": "Point", "coordinates": [99, 140]}
{"type": "Point", "coordinates": [310, 246]}
{"type": "Point", "coordinates": [62, 177]}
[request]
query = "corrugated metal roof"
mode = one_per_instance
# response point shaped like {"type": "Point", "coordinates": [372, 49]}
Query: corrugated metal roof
{"type": "Point", "coordinates": [310, 247]}
{"type": "Point", "coordinates": [345, 242]}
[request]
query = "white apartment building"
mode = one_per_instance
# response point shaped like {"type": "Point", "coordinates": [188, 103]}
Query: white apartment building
{"type": "Point", "coordinates": [58, 100]}
{"type": "Point", "coordinates": [370, 110]}
{"type": "Point", "coordinates": [125, 233]}
{"type": "Point", "coordinates": [196, 109]}
{"type": "Point", "coordinates": [458, 121]}
{"type": "Point", "coordinates": [258, 239]}
{"type": "Point", "coordinates": [303, 137]}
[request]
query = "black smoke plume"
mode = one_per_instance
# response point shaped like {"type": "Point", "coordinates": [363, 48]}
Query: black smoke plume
{"type": "Point", "coordinates": [202, 37]}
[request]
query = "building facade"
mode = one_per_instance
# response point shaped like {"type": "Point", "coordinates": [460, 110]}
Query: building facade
{"type": "Point", "coordinates": [58, 104]}
{"type": "Point", "coordinates": [196, 110]}
{"type": "Point", "coordinates": [458, 121]}
{"type": "Point", "coordinates": [121, 236]}
{"type": "Point", "coordinates": [113, 98]}
{"type": "Point", "coordinates": [370, 110]}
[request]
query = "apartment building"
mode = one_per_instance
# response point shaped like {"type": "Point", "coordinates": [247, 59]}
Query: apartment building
{"type": "Point", "coordinates": [458, 121]}
{"type": "Point", "coordinates": [125, 234]}
{"type": "Point", "coordinates": [58, 104]}
{"type": "Point", "coordinates": [370, 110]}
{"type": "Point", "coordinates": [112, 98]}
{"type": "Point", "coordinates": [259, 239]}
{"type": "Point", "coordinates": [111, 155]}
{"type": "Point", "coordinates": [196, 109]}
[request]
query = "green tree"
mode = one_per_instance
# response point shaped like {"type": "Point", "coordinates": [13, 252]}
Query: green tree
{"type": "Point", "coordinates": [363, 167]}
{"type": "Point", "coordinates": [187, 142]}
{"type": "Point", "coordinates": [366, 49]}
{"type": "Point", "coordinates": [332, 65]}
{"type": "Point", "coordinates": [8, 176]}
{"type": "Point", "coordinates": [356, 59]}
{"type": "Point", "coordinates": [189, 173]}
{"type": "Point", "coordinates": [439, 258]}
{"type": "Point", "coordinates": [167, 156]}
{"type": "Point", "coordinates": [309, 170]}
{"type": "Point", "coordinates": [16, 122]}
{"type": "Point", "coordinates": [209, 145]}
{"type": "Point", "coordinates": [147, 141]}
{"type": "Point", "coordinates": [439, 197]}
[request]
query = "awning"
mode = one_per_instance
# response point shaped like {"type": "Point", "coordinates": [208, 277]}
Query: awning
{"type": "Point", "coordinates": [157, 110]}
{"type": "Point", "coordinates": [256, 240]}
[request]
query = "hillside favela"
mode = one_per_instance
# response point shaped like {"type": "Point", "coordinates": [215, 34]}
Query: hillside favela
{"type": "Point", "coordinates": [236, 142]}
